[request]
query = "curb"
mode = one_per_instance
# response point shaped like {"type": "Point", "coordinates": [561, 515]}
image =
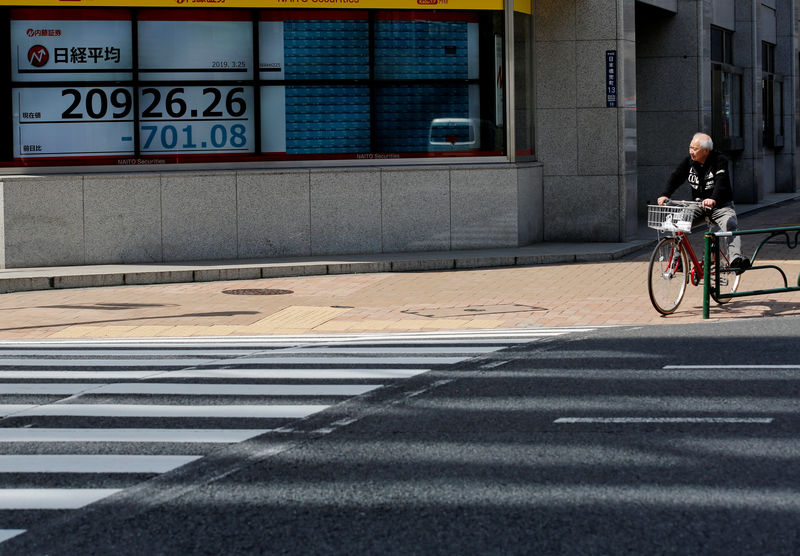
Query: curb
{"type": "Point", "coordinates": [50, 278]}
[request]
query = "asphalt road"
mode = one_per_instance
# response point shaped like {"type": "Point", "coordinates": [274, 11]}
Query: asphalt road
{"type": "Point", "coordinates": [631, 440]}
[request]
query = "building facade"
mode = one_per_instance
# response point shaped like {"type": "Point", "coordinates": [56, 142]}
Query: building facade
{"type": "Point", "coordinates": [179, 130]}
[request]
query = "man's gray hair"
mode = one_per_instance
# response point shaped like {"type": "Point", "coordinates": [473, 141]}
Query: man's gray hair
{"type": "Point", "coordinates": [704, 140]}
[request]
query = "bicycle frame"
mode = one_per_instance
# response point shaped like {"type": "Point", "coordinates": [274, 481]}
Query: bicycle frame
{"type": "Point", "coordinates": [698, 264]}
{"type": "Point", "coordinates": [698, 267]}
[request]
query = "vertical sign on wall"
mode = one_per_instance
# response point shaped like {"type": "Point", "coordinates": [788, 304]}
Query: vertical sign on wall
{"type": "Point", "coordinates": [611, 78]}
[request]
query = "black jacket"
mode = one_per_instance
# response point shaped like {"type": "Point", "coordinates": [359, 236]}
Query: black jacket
{"type": "Point", "coordinates": [709, 180]}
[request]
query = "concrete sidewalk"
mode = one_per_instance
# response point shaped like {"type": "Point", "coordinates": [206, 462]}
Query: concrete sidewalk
{"type": "Point", "coordinates": [534, 286]}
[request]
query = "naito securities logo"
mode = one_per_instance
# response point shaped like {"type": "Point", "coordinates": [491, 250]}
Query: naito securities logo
{"type": "Point", "coordinates": [38, 56]}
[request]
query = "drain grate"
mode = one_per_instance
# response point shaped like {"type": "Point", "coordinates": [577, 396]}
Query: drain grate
{"type": "Point", "coordinates": [256, 291]}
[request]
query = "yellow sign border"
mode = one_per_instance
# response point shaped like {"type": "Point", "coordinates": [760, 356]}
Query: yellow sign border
{"type": "Point", "coordinates": [318, 4]}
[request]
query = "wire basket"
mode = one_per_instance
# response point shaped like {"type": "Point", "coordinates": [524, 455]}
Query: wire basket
{"type": "Point", "coordinates": [670, 218]}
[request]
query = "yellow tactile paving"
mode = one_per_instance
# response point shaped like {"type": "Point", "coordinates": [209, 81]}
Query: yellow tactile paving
{"type": "Point", "coordinates": [108, 331]}
{"type": "Point", "coordinates": [146, 331]}
{"type": "Point", "coordinates": [76, 331]}
{"type": "Point", "coordinates": [343, 326]}
{"type": "Point", "coordinates": [296, 318]}
{"type": "Point", "coordinates": [217, 330]}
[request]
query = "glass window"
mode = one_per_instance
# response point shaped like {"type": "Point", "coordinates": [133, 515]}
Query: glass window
{"type": "Point", "coordinates": [721, 45]}
{"type": "Point", "coordinates": [726, 93]}
{"type": "Point", "coordinates": [767, 57]}
{"type": "Point", "coordinates": [771, 99]}
{"type": "Point", "coordinates": [152, 86]}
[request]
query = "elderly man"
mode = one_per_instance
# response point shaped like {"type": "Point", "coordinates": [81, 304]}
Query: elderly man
{"type": "Point", "coordinates": [706, 170]}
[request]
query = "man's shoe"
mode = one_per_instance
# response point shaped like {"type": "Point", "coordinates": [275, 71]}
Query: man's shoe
{"type": "Point", "coordinates": [740, 263]}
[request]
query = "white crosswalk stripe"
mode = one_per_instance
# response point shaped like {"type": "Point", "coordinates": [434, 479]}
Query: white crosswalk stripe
{"type": "Point", "coordinates": [96, 463]}
{"type": "Point", "coordinates": [133, 407]}
{"type": "Point", "coordinates": [433, 359]}
{"type": "Point", "coordinates": [265, 374]}
{"type": "Point", "coordinates": [201, 436]}
{"type": "Point", "coordinates": [51, 498]}
{"type": "Point", "coordinates": [187, 389]}
{"type": "Point", "coordinates": [6, 534]}
{"type": "Point", "coordinates": [162, 411]}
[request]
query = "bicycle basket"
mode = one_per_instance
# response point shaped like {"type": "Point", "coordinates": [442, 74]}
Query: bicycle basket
{"type": "Point", "coordinates": [669, 218]}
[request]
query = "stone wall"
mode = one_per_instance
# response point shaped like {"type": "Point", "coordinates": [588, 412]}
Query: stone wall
{"type": "Point", "coordinates": [588, 149]}
{"type": "Point", "coordinates": [223, 215]}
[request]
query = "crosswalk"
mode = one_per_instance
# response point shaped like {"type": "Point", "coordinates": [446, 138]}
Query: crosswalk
{"type": "Point", "coordinates": [83, 420]}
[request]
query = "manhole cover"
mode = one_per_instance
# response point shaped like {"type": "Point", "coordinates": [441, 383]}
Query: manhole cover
{"type": "Point", "coordinates": [261, 291]}
{"type": "Point", "coordinates": [473, 310]}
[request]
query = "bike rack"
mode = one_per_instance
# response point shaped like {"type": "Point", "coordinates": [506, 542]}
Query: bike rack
{"type": "Point", "coordinates": [714, 246]}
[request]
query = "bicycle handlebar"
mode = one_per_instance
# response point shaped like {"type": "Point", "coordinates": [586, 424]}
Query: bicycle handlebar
{"type": "Point", "coordinates": [696, 203]}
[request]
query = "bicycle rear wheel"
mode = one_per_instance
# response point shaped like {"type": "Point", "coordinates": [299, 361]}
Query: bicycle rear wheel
{"type": "Point", "coordinates": [667, 276]}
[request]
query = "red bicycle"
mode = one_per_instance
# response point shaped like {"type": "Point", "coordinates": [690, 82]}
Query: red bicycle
{"type": "Point", "coordinates": [673, 263]}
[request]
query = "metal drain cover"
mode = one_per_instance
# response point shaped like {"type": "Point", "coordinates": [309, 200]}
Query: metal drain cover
{"type": "Point", "coordinates": [473, 310]}
{"type": "Point", "coordinates": [256, 291]}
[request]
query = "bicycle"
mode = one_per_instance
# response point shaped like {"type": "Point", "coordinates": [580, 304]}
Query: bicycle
{"type": "Point", "coordinates": [673, 263]}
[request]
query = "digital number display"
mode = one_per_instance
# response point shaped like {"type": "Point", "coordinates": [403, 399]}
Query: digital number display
{"type": "Point", "coordinates": [195, 91]}
{"type": "Point", "coordinates": [196, 119]}
{"type": "Point", "coordinates": [73, 121]}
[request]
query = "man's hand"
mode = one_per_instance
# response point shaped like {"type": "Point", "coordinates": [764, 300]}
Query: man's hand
{"type": "Point", "coordinates": [662, 200]}
{"type": "Point", "coordinates": [709, 203]}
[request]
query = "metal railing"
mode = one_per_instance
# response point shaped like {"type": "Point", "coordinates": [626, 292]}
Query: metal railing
{"type": "Point", "coordinates": [713, 246]}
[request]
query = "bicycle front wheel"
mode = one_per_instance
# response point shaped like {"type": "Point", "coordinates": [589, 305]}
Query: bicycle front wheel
{"type": "Point", "coordinates": [667, 276]}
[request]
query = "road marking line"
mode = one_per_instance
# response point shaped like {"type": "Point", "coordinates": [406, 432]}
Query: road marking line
{"type": "Point", "coordinates": [82, 375]}
{"type": "Point", "coordinates": [156, 388]}
{"type": "Point", "coordinates": [673, 367]}
{"type": "Point", "coordinates": [6, 534]}
{"type": "Point", "coordinates": [433, 351]}
{"type": "Point", "coordinates": [398, 360]}
{"type": "Point", "coordinates": [493, 364]}
{"type": "Point", "coordinates": [205, 361]}
{"type": "Point", "coordinates": [165, 411]}
{"type": "Point", "coordinates": [271, 374]}
{"type": "Point", "coordinates": [762, 420]}
{"type": "Point", "coordinates": [6, 410]}
{"type": "Point", "coordinates": [195, 436]}
{"type": "Point", "coordinates": [51, 498]}
{"type": "Point", "coordinates": [44, 352]}
{"type": "Point", "coordinates": [421, 391]}
{"type": "Point", "coordinates": [79, 463]}
{"type": "Point", "coordinates": [154, 363]}
{"type": "Point", "coordinates": [333, 426]}
{"type": "Point", "coordinates": [430, 347]}
{"type": "Point", "coordinates": [359, 374]}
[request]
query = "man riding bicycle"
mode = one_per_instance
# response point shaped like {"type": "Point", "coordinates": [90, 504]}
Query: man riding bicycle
{"type": "Point", "coordinates": [706, 170]}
